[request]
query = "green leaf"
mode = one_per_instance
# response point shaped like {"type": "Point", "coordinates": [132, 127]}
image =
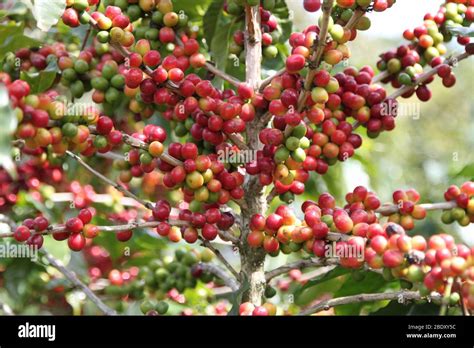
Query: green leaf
{"type": "Point", "coordinates": [334, 273]}
{"type": "Point", "coordinates": [16, 278]}
{"type": "Point", "coordinates": [192, 8]}
{"type": "Point", "coordinates": [372, 283]}
{"type": "Point", "coordinates": [48, 12]}
{"type": "Point", "coordinates": [467, 171]}
{"type": "Point", "coordinates": [12, 38]}
{"type": "Point", "coordinates": [282, 13]}
{"type": "Point", "coordinates": [461, 31]}
{"type": "Point", "coordinates": [237, 297]}
{"type": "Point", "coordinates": [42, 81]}
{"type": "Point", "coordinates": [211, 18]}
{"type": "Point", "coordinates": [9, 122]}
{"type": "Point", "coordinates": [220, 47]}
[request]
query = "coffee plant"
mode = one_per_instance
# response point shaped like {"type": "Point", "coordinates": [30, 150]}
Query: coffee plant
{"type": "Point", "coordinates": [170, 150]}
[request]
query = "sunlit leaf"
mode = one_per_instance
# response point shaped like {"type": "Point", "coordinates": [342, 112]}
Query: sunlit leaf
{"type": "Point", "coordinates": [48, 12]}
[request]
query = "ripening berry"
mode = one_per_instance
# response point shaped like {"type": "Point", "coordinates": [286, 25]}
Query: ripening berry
{"type": "Point", "coordinates": [22, 233]}
{"type": "Point", "coordinates": [312, 5]}
{"type": "Point", "coordinates": [74, 225]}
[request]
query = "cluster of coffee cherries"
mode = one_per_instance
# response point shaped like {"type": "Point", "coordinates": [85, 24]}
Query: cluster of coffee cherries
{"type": "Point", "coordinates": [427, 47]}
{"type": "Point", "coordinates": [208, 223]}
{"type": "Point", "coordinates": [109, 85]}
{"type": "Point", "coordinates": [114, 26]}
{"type": "Point", "coordinates": [328, 137]}
{"type": "Point", "coordinates": [170, 277]}
{"type": "Point", "coordinates": [35, 111]}
{"type": "Point", "coordinates": [386, 246]}
{"type": "Point", "coordinates": [249, 309]}
{"type": "Point", "coordinates": [31, 175]}
{"type": "Point", "coordinates": [33, 60]}
{"type": "Point", "coordinates": [25, 232]}
{"type": "Point", "coordinates": [407, 200]}
{"type": "Point", "coordinates": [426, 265]}
{"type": "Point", "coordinates": [75, 230]}
{"type": "Point", "coordinates": [277, 231]}
{"type": "Point", "coordinates": [463, 213]}
{"type": "Point", "coordinates": [76, 12]}
{"type": "Point", "coordinates": [75, 72]}
{"type": "Point", "coordinates": [376, 5]}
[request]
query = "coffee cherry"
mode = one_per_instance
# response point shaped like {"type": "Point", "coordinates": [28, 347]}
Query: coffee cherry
{"type": "Point", "coordinates": [260, 311]}
{"type": "Point", "coordinates": [312, 5]}
{"type": "Point", "coordinates": [41, 223]}
{"type": "Point", "coordinates": [22, 233]}
{"type": "Point", "coordinates": [76, 242]}
{"type": "Point", "coordinates": [71, 18]}
{"type": "Point", "coordinates": [36, 241]}
{"type": "Point", "coordinates": [90, 231]}
{"type": "Point", "coordinates": [104, 125]}
{"type": "Point", "coordinates": [74, 225]}
{"type": "Point", "coordinates": [156, 149]}
{"type": "Point", "coordinates": [295, 62]}
{"type": "Point", "coordinates": [133, 78]}
{"type": "Point", "coordinates": [209, 232]}
{"type": "Point", "coordinates": [245, 91]}
{"type": "Point", "coordinates": [85, 215]}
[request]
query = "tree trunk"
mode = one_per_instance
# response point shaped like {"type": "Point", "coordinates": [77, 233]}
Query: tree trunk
{"type": "Point", "coordinates": [252, 260]}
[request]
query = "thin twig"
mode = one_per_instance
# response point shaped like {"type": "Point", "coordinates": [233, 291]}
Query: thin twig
{"type": "Point", "coordinates": [236, 139]}
{"type": "Point", "coordinates": [269, 79]}
{"type": "Point", "coordinates": [300, 264]}
{"type": "Point", "coordinates": [228, 235]}
{"type": "Point", "coordinates": [232, 80]}
{"type": "Point", "coordinates": [318, 53]}
{"type": "Point", "coordinates": [89, 30]}
{"type": "Point", "coordinates": [220, 273]}
{"type": "Point", "coordinates": [381, 76]}
{"type": "Point", "coordinates": [73, 279]}
{"type": "Point", "coordinates": [219, 255]}
{"type": "Point", "coordinates": [423, 77]}
{"type": "Point", "coordinates": [419, 81]}
{"type": "Point", "coordinates": [465, 310]}
{"type": "Point", "coordinates": [271, 196]}
{"type": "Point", "coordinates": [446, 296]}
{"type": "Point", "coordinates": [117, 186]}
{"type": "Point", "coordinates": [358, 14]}
{"type": "Point", "coordinates": [394, 208]}
{"type": "Point", "coordinates": [401, 296]}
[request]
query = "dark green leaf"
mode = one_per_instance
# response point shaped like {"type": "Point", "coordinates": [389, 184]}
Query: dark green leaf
{"type": "Point", "coordinates": [192, 8]}
{"type": "Point", "coordinates": [372, 283]}
{"type": "Point", "coordinates": [334, 273]}
{"type": "Point", "coordinates": [211, 19]}
{"type": "Point", "coordinates": [42, 81]}
{"type": "Point", "coordinates": [467, 171]}
{"type": "Point", "coordinates": [12, 38]}
{"type": "Point", "coordinates": [236, 297]}
{"type": "Point", "coordinates": [220, 47]}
